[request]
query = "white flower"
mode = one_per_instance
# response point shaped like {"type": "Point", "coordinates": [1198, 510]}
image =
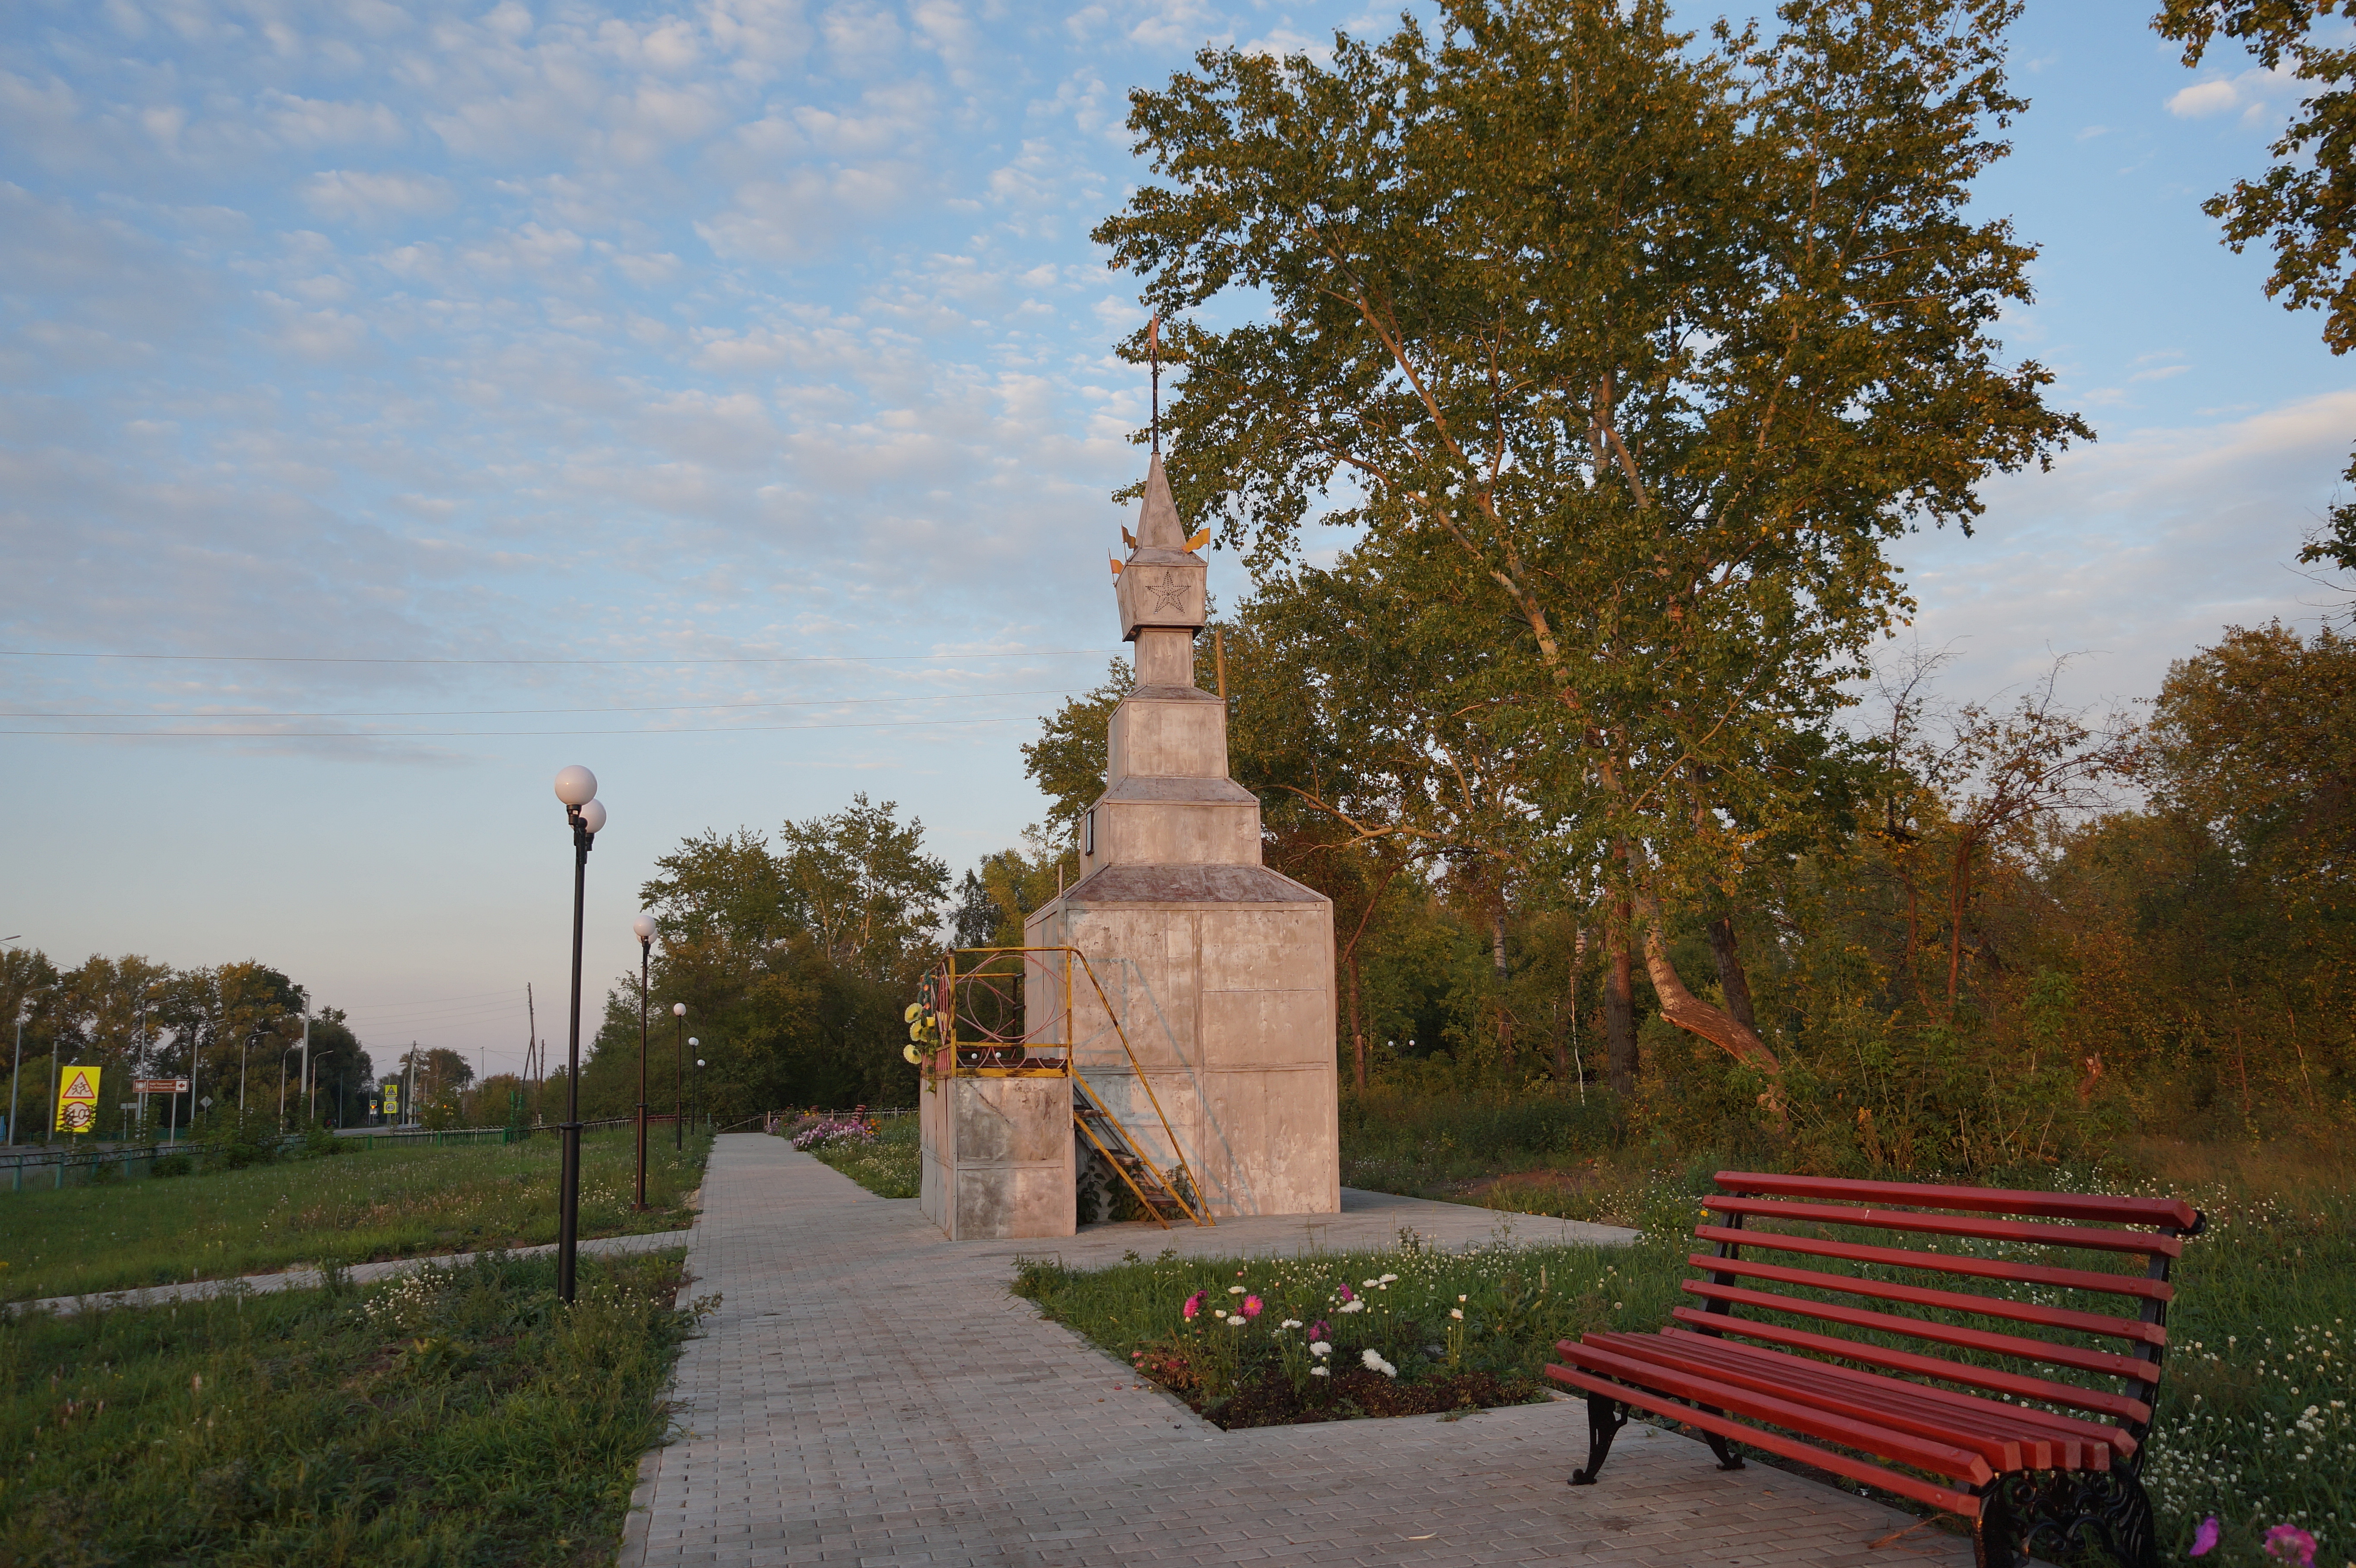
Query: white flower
{"type": "Point", "coordinates": [1319, 1372]}
{"type": "Point", "coordinates": [1351, 1306]}
{"type": "Point", "coordinates": [1321, 1348]}
{"type": "Point", "coordinates": [1290, 1323]}
{"type": "Point", "coordinates": [1236, 1321]}
{"type": "Point", "coordinates": [1235, 1290]}
{"type": "Point", "coordinates": [1457, 1313]}
{"type": "Point", "coordinates": [1375, 1363]}
{"type": "Point", "coordinates": [1388, 1279]}
{"type": "Point", "coordinates": [1370, 1284]}
{"type": "Point", "coordinates": [1459, 1298]}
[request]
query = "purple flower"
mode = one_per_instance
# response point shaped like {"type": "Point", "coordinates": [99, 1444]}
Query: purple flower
{"type": "Point", "coordinates": [2204, 1539]}
{"type": "Point", "coordinates": [1347, 1295]}
{"type": "Point", "coordinates": [1321, 1330]}
{"type": "Point", "coordinates": [2291, 1544]}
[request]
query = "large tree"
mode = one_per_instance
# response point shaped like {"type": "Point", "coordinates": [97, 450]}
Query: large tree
{"type": "Point", "coordinates": [1664, 342]}
{"type": "Point", "coordinates": [2304, 206]}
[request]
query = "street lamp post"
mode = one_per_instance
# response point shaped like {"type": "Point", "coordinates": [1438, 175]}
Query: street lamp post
{"type": "Point", "coordinates": [644, 928]}
{"type": "Point", "coordinates": [679, 1076]}
{"type": "Point", "coordinates": [691, 1043]}
{"type": "Point", "coordinates": [576, 787]}
{"type": "Point", "coordinates": [701, 1103]}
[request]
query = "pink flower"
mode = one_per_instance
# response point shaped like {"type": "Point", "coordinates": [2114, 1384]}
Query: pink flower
{"type": "Point", "coordinates": [1347, 1295]}
{"type": "Point", "coordinates": [1193, 1304]}
{"type": "Point", "coordinates": [2291, 1544]}
{"type": "Point", "coordinates": [1251, 1306]}
{"type": "Point", "coordinates": [2204, 1539]}
{"type": "Point", "coordinates": [1321, 1330]}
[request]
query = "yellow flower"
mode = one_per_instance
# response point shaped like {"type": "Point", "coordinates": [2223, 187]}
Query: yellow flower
{"type": "Point", "coordinates": [910, 1016]}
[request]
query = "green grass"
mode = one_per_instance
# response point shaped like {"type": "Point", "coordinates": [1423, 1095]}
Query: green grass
{"type": "Point", "coordinates": [1517, 1301]}
{"type": "Point", "coordinates": [355, 1207]}
{"type": "Point", "coordinates": [456, 1417]}
{"type": "Point", "coordinates": [890, 1164]}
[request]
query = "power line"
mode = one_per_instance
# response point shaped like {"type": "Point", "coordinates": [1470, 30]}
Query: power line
{"type": "Point", "coordinates": [505, 712]}
{"type": "Point", "coordinates": [492, 734]}
{"type": "Point", "coordinates": [352, 658]}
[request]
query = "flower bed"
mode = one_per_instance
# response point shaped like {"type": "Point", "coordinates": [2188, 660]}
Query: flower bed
{"type": "Point", "coordinates": [1271, 1342]}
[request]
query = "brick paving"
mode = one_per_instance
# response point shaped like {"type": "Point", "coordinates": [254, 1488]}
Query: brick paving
{"type": "Point", "coordinates": [869, 1395]}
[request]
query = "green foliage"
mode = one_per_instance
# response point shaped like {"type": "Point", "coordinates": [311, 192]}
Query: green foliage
{"type": "Point", "coordinates": [453, 1417]}
{"type": "Point", "coordinates": [369, 1204]}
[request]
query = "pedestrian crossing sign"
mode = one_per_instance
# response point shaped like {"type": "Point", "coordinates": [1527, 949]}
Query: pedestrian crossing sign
{"type": "Point", "coordinates": [77, 1099]}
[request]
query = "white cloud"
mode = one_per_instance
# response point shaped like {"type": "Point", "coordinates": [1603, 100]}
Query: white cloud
{"type": "Point", "coordinates": [358, 195]}
{"type": "Point", "coordinates": [2256, 93]}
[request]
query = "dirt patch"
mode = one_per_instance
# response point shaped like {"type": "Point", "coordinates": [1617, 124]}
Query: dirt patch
{"type": "Point", "coordinates": [1356, 1395]}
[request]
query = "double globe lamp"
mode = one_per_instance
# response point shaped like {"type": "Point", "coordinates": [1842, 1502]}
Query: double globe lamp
{"type": "Point", "coordinates": [576, 787]}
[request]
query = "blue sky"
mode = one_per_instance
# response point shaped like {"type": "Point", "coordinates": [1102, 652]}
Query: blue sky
{"type": "Point", "coordinates": [718, 395]}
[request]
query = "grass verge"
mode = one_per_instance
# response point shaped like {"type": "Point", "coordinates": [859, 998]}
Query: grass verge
{"type": "Point", "coordinates": [356, 1207]}
{"type": "Point", "coordinates": [453, 1417]}
{"type": "Point", "coordinates": [889, 1164]}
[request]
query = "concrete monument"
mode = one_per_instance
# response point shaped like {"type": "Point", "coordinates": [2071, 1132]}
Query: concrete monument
{"type": "Point", "coordinates": [1204, 1025]}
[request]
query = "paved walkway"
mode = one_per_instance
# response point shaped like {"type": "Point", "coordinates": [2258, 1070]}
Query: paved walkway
{"type": "Point", "coordinates": [311, 1279]}
{"type": "Point", "coordinates": [870, 1394]}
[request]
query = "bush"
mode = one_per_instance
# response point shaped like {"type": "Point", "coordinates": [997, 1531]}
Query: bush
{"type": "Point", "coordinates": [179, 1162]}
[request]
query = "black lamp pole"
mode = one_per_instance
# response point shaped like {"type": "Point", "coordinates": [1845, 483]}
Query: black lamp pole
{"type": "Point", "coordinates": [679, 1076]}
{"type": "Point", "coordinates": [586, 817]}
{"type": "Point", "coordinates": [646, 949]}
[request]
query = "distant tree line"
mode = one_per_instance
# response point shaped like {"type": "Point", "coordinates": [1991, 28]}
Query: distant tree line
{"type": "Point", "coordinates": [134, 1018]}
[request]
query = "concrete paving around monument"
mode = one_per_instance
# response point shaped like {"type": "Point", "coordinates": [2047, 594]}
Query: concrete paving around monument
{"type": "Point", "coordinates": [868, 1393]}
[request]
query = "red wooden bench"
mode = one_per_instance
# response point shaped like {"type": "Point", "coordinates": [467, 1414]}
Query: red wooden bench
{"type": "Point", "coordinates": [1783, 1358]}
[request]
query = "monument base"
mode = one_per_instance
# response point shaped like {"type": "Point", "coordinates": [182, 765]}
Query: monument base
{"type": "Point", "coordinates": [998, 1158]}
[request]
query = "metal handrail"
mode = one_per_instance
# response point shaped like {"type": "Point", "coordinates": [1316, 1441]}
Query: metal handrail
{"type": "Point", "coordinates": [946, 1005]}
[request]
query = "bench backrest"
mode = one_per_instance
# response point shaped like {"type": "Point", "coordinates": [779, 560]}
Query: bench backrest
{"type": "Point", "coordinates": [2072, 1332]}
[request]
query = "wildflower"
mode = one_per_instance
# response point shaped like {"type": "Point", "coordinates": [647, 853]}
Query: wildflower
{"type": "Point", "coordinates": [1369, 1283]}
{"type": "Point", "coordinates": [1351, 1306]}
{"type": "Point", "coordinates": [1236, 1321]}
{"type": "Point", "coordinates": [1345, 1293]}
{"type": "Point", "coordinates": [1459, 1298]}
{"type": "Point", "coordinates": [1321, 1330]}
{"type": "Point", "coordinates": [1253, 1305]}
{"type": "Point", "coordinates": [1320, 1349]}
{"type": "Point", "coordinates": [1319, 1372]}
{"type": "Point", "coordinates": [1193, 1304]}
{"type": "Point", "coordinates": [2204, 1539]}
{"type": "Point", "coordinates": [1388, 1279]}
{"type": "Point", "coordinates": [2291, 1544]}
{"type": "Point", "coordinates": [1290, 1323]}
{"type": "Point", "coordinates": [1375, 1363]}
{"type": "Point", "coordinates": [1457, 1313]}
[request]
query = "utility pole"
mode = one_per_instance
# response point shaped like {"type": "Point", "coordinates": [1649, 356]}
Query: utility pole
{"type": "Point", "coordinates": [307, 1068]}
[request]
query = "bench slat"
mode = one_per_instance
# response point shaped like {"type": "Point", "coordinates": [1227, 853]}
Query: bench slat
{"type": "Point", "coordinates": [1945, 1262]}
{"type": "Point", "coordinates": [1947, 1300]}
{"type": "Point", "coordinates": [2012, 1436]}
{"type": "Point", "coordinates": [2091, 1206]}
{"type": "Point", "coordinates": [1967, 1464]}
{"type": "Point", "coordinates": [2105, 1361]}
{"type": "Point", "coordinates": [2147, 1243]}
{"type": "Point", "coordinates": [1993, 1379]}
{"type": "Point", "coordinates": [1898, 1481]}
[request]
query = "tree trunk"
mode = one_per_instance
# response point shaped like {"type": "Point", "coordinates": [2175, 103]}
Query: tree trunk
{"type": "Point", "coordinates": [1959, 895]}
{"type": "Point", "coordinates": [1357, 1026]}
{"type": "Point", "coordinates": [1619, 1013]}
{"type": "Point", "coordinates": [1730, 977]}
{"type": "Point", "coordinates": [1564, 1055]}
{"type": "Point", "coordinates": [1689, 1012]}
{"type": "Point", "coordinates": [1497, 957]}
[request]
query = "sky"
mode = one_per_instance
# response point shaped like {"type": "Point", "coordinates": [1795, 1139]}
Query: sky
{"type": "Point", "coordinates": [399, 404]}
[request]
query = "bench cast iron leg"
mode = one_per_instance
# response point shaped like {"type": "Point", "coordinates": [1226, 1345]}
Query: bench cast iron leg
{"type": "Point", "coordinates": [1605, 1417]}
{"type": "Point", "coordinates": [1728, 1457]}
{"type": "Point", "coordinates": [1996, 1539]}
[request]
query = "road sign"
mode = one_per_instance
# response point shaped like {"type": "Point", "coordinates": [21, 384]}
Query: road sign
{"type": "Point", "coordinates": [160, 1085]}
{"type": "Point", "coordinates": [77, 1099]}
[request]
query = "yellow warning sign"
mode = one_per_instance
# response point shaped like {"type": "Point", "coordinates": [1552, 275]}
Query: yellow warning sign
{"type": "Point", "coordinates": [77, 1099]}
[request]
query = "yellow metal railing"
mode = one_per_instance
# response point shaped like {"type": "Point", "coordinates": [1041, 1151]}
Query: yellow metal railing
{"type": "Point", "coordinates": [986, 1032]}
